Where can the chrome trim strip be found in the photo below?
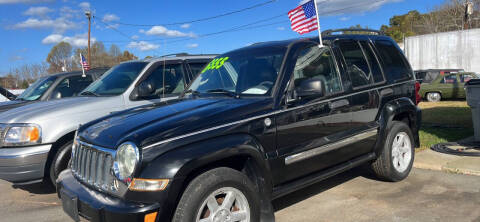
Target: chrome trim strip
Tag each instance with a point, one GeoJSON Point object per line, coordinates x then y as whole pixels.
{"type": "Point", "coordinates": [269, 114]}
{"type": "Point", "coordinates": [207, 130]}
{"type": "Point", "coordinates": [105, 150]}
{"type": "Point", "coordinates": [329, 147]}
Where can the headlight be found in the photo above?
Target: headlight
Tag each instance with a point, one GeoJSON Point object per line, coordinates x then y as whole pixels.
{"type": "Point", "coordinates": [126, 160]}
{"type": "Point", "coordinates": [22, 134]}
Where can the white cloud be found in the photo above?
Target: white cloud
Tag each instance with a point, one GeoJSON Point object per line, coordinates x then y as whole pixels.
{"type": "Point", "coordinates": [38, 11]}
{"type": "Point", "coordinates": [344, 18]}
{"type": "Point", "coordinates": [193, 45]}
{"type": "Point", "coordinates": [23, 1]}
{"type": "Point", "coordinates": [110, 17]}
{"type": "Point", "coordinates": [59, 25]}
{"type": "Point", "coordinates": [84, 5]}
{"type": "Point", "coordinates": [135, 37]}
{"type": "Point", "coordinates": [15, 58]}
{"type": "Point", "coordinates": [281, 28]}
{"type": "Point", "coordinates": [143, 46]}
{"type": "Point", "coordinates": [76, 41]}
{"type": "Point", "coordinates": [339, 7]}
{"type": "Point", "coordinates": [162, 31]}
{"type": "Point", "coordinates": [186, 26]}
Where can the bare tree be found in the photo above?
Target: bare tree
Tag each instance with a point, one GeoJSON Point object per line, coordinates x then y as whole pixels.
{"type": "Point", "coordinates": [59, 56]}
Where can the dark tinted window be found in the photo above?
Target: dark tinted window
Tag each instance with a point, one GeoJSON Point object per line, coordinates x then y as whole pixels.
{"type": "Point", "coordinates": [167, 79]}
{"type": "Point", "coordinates": [394, 63]}
{"type": "Point", "coordinates": [372, 60]}
{"type": "Point", "coordinates": [357, 65]}
{"type": "Point", "coordinates": [196, 68]}
{"type": "Point", "coordinates": [71, 86]}
{"type": "Point", "coordinates": [317, 63]}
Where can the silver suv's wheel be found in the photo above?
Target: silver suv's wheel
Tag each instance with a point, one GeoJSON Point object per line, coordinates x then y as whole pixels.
{"type": "Point", "coordinates": [225, 204]}
{"type": "Point", "coordinates": [221, 194]}
{"type": "Point", "coordinates": [396, 159]}
{"type": "Point", "coordinates": [434, 97]}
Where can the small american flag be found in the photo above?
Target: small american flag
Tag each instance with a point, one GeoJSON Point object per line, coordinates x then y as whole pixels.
{"type": "Point", "coordinates": [304, 18]}
{"type": "Point", "coordinates": [84, 63]}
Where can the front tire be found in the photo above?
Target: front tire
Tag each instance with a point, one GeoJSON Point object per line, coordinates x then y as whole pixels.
{"type": "Point", "coordinates": [60, 161]}
{"type": "Point", "coordinates": [221, 194]}
{"type": "Point", "coordinates": [396, 160]}
{"type": "Point", "coordinates": [434, 97]}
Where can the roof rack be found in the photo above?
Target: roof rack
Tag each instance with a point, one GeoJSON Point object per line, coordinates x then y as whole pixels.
{"type": "Point", "coordinates": [331, 31]}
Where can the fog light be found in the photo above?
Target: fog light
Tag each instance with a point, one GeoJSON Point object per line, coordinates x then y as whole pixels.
{"type": "Point", "coordinates": [150, 217]}
{"type": "Point", "coordinates": [148, 184]}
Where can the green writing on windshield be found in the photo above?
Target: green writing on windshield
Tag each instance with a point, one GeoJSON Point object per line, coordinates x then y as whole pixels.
{"type": "Point", "coordinates": [216, 64]}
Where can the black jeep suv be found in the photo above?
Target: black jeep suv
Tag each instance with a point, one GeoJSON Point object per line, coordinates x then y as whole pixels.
{"type": "Point", "coordinates": [256, 124]}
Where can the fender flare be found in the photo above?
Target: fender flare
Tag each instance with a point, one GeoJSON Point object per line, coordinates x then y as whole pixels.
{"type": "Point", "coordinates": [182, 164]}
{"type": "Point", "coordinates": [400, 106]}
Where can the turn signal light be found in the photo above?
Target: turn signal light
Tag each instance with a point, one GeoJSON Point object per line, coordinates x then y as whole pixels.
{"type": "Point", "coordinates": [138, 184]}
{"type": "Point", "coordinates": [151, 217]}
{"type": "Point", "coordinates": [33, 134]}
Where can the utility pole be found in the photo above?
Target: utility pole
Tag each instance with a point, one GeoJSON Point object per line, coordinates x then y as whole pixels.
{"type": "Point", "coordinates": [89, 16]}
{"type": "Point", "coordinates": [468, 13]}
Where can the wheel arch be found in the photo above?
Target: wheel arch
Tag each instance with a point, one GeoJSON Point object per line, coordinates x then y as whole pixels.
{"type": "Point", "coordinates": [241, 152]}
{"type": "Point", "coordinates": [55, 147]}
{"type": "Point", "coordinates": [402, 109]}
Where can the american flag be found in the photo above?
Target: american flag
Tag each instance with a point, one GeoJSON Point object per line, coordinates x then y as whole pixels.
{"type": "Point", "coordinates": [84, 63]}
{"type": "Point", "coordinates": [304, 18]}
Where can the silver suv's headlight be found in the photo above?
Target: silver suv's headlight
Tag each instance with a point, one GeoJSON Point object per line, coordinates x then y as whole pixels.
{"type": "Point", "coordinates": [126, 161]}
{"type": "Point", "coordinates": [22, 134]}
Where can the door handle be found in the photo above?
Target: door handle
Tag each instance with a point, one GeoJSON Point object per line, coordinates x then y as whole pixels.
{"type": "Point", "coordinates": [338, 104]}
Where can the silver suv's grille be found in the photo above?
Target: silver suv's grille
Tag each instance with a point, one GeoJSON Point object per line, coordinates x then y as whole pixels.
{"type": "Point", "coordinates": [93, 166]}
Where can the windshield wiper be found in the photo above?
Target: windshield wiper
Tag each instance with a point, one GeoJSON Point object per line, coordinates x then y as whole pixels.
{"type": "Point", "coordinates": [225, 92]}
{"type": "Point", "coordinates": [85, 93]}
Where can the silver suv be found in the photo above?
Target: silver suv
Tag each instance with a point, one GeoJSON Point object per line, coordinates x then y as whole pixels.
{"type": "Point", "coordinates": [36, 139]}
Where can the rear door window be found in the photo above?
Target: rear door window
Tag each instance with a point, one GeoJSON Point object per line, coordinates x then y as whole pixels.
{"type": "Point", "coordinates": [375, 68]}
{"type": "Point", "coordinates": [465, 77]}
{"type": "Point", "coordinates": [394, 63]}
{"type": "Point", "coordinates": [357, 66]}
{"type": "Point", "coordinates": [449, 79]}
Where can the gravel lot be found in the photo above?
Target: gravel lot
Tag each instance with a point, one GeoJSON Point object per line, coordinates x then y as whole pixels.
{"type": "Point", "coordinates": [352, 196]}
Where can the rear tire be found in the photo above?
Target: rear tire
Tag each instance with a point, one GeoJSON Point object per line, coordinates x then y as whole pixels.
{"type": "Point", "coordinates": [434, 97]}
{"type": "Point", "coordinates": [60, 161]}
{"type": "Point", "coordinates": [220, 194]}
{"type": "Point", "coordinates": [396, 160]}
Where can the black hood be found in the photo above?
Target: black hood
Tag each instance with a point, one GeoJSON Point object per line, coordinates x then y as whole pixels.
{"type": "Point", "coordinates": [150, 124]}
{"type": "Point", "coordinates": [4, 106]}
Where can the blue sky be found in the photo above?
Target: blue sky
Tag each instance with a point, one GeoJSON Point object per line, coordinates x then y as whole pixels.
{"type": "Point", "coordinates": [29, 28]}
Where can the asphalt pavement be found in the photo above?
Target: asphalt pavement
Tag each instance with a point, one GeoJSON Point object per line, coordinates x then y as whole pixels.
{"type": "Point", "coordinates": [352, 196]}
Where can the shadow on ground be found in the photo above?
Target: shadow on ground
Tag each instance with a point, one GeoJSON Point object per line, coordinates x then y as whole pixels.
{"type": "Point", "coordinates": [322, 186]}
{"type": "Point", "coordinates": [36, 188]}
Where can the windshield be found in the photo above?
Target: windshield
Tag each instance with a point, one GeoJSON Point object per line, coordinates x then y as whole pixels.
{"type": "Point", "coordinates": [37, 89]}
{"type": "Point", "coordinates": [246, 72]}
{"type": "Point", "coordinates": [116, 80]}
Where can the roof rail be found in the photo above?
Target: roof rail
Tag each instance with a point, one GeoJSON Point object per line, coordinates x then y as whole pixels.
{"type": "Point", "coordinates": [343, 31]}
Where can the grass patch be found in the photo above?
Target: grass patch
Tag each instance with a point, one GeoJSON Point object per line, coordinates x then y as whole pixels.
{"type": "Point", "coordinates": [442, 122]}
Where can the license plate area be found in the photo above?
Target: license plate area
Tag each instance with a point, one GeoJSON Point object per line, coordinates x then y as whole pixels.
{"type": "Point", "coordinates": [70, 204]}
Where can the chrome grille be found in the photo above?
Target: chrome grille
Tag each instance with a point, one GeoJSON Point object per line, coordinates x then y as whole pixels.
{"type": "Point", "coordinates": [92, 165]}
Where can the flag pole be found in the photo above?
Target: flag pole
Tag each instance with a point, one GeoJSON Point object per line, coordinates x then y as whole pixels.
{"type": "Point", "coordinates": [81, 64]}
{"type": "Point", "coordinates": [318, 21]}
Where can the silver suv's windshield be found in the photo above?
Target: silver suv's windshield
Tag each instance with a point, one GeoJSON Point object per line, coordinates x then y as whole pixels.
{"type": "Point", "coordinates": [116, 80]}
{"type": "Point", "coordinates": [37, 89]}
{"type": "Point", "coordinates": [245, 72]}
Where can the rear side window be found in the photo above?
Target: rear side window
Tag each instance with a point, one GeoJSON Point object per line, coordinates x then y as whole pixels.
{"type": "Point", "coordinates": [373, 62]}
{"type": "Point", "coordinates": [394, 63]}
{"type": "Point", "coordinates": [466, 77]}
{"type": "Point", "coordinates": [449, 79]}
{"type": "Point", "coordinates": [357, 65]}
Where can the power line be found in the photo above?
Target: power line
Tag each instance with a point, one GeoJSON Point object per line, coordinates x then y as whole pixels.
{"type": "Point", "coordinates": [201, 19]}
{"type": "Point", "coordinates": [238, 28]}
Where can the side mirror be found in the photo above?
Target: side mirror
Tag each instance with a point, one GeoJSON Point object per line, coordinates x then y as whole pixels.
{"type": "Point", "coordinates": [145, 89]}
{"type": "Point", "coordinates": [311, 87]}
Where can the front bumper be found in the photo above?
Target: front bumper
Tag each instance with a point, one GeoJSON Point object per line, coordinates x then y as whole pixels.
{"type": "Point", "coordinates": [78, 200]}
{"type": "Point", "coordinates": [23, 164]}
